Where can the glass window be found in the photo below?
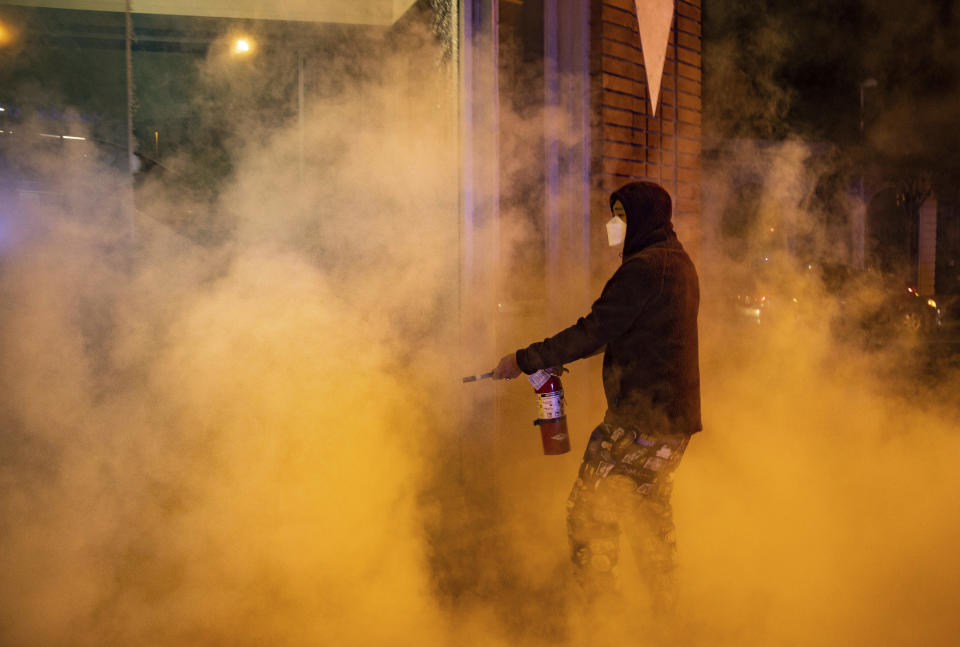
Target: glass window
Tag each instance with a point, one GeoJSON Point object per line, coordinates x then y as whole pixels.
{"type": "Point", "coordinates": [331, 100]}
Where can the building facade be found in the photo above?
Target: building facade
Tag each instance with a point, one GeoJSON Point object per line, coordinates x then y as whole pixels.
{"type": "Point", "coordinates": [571, 82]}
{"type": "Point", "coordinates": [548, 105]}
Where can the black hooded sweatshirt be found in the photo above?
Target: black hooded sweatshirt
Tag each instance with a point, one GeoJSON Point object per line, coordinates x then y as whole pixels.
{"type": "Point", "coordinates": [645, 321]}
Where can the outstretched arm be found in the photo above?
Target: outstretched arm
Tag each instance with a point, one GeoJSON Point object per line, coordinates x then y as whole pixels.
{"type": "Point", "coordinates": [622, 300]}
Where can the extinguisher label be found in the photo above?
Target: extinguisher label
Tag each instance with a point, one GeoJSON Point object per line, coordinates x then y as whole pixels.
{"type": "Point", "coordinates": [551, 405]}
{"type": "Point", "coordinates": [539, 378]}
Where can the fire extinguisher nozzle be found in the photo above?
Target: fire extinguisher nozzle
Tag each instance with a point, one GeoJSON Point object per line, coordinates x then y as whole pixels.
{"type": "Point", "coordinates": [474, 378]}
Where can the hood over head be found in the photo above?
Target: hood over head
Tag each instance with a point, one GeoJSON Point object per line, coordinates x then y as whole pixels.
{"type": "Point", "coordinates": [648, 208]}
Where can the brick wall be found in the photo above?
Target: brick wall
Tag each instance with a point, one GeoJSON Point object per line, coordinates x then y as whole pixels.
{"type": "Point", "coordinates": [628, 142]}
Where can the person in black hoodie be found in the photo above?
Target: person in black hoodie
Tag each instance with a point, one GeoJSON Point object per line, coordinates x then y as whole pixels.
{"type": "Point", "coordinates": [645, 323]}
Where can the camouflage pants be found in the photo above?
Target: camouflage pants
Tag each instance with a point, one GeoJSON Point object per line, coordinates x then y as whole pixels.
{"type": "Point", "coordinates": [624, 483]}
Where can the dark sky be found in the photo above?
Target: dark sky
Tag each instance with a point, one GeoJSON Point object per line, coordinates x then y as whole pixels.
{"type": "Point", "coordinates": [776, 67]}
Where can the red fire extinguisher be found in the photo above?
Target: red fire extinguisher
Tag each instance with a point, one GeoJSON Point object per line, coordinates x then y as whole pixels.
{"type": "Point", "coordinates": [553, 416]}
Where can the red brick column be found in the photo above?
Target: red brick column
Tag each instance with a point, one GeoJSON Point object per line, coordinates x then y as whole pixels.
{"type": "Point", "coordinates": [629, 143]}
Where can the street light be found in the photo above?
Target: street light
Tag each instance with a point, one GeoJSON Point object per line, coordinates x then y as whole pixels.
{"type": "Point", "coordinates": [242, 46]}
{"type": "Point", "coordinates": [9, 35]}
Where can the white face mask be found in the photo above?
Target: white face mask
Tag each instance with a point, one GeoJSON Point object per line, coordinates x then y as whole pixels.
{"type": "Point", "coordinates": [617, 226]}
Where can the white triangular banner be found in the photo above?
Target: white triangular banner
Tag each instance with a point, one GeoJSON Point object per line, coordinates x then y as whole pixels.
{"type": "Point", "coordinates": [654, 18]}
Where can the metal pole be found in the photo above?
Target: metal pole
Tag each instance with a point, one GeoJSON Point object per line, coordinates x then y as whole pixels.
{"type": "Point", "coordinates": [128, 51]}
{"type": "Point", "coordinates": [860, 234]}
{"type": "Point", "coordinates": [131, 159]}
{"type": "Point", "coordinates": [300, 117]}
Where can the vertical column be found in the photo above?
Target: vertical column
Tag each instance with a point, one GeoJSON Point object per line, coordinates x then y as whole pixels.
{"type": "Point", "coordinates": [578, 93]}
{"type": "Point", "coordinates": [858, 230]}
{"type": "Point", "coordinates": [948, 244]}
{"type": "Point", "coordinates": [927, 247]}
{"type": "Point", "coordinates": [552, 131]}
{"type": "Point", "coordinates": [568, 186]}
{"type": "Point", "coordinates": [479, 223]}
{"type": "Point", "coordinates": [567, 157]}
{"type": "Point", "coordinates": [131, 144]}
